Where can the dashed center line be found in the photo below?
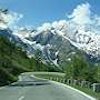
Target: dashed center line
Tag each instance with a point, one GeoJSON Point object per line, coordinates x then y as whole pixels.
{"type": "Point", "coordinates": [21, 98]}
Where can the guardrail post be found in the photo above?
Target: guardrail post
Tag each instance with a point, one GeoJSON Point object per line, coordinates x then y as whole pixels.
{"type": "Point", "coordinates": [63, 80]}
{"type": "Point", "coordinates": [69, 81]}
{"type": "Point", "coordinates": [83, 83]}
{"type": "Point", "coordinates": [89, 84]}
{"type": "Point", "coordinates": [50, 78]}
{"type": "Point", "coordinates": [60, 80]}
{"type": "Point", "coordinates": [75, 82]}
{"type": "Point", "coordinates": [57, 79]}
{"type": "Point", "coordinates": [96, 87]}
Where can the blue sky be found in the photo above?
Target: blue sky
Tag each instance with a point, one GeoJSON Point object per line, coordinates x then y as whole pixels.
{"type": "Point", "coordinates": [37, 12]}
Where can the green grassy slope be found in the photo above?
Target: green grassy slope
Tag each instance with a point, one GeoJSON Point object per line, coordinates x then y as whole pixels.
{"type": "Point", "coordinates": [14, 61]}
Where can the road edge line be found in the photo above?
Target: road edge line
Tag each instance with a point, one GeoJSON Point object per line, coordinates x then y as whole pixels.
{"type": "Point", "coordinates": [72, 88]}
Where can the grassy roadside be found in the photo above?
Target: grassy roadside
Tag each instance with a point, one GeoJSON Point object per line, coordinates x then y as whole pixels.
{"type": "Point", "coordinates": [61, 76]}
{"type": "Point", "coordinates": [87, 91]}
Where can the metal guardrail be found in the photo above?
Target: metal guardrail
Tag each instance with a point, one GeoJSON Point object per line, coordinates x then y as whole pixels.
{"type": "Point", "coordinates": [60, 77]}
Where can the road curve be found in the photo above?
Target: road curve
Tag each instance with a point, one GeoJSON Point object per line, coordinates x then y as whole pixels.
{"type": "Point", "coordinates": [51, 91]}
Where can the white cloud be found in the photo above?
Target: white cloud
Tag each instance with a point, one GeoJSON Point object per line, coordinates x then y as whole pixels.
{"type": "Point", "coordinates": [44, 27]}
{"type": "Point", "coordinates": [80, 18]}
{"type": "Point", "coordinates": [8, 19]}
{"type": "Point", "coordinates": [62, 24]}
{"type": "Point", "coordinates": [81, 14]}
{"type": "Point", "coordinates": [59, 26]}
{"type": "Point", "coordinates": [84, 19]}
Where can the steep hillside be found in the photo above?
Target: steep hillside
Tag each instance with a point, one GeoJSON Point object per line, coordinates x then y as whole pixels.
{"type": "Point", "coordinates": [14, 61]}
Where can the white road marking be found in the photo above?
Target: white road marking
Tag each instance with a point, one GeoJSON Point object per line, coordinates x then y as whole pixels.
{"type": "Point", "coordinates": [21, 98]}
{"type": "Point", "coordinates": [86, 95]}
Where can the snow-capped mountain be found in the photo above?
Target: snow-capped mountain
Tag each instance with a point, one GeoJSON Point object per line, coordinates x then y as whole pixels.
{"type": "Point", "coordinates": [57, 41]}
{"type": "Point", "coordinates": [48, 42]}
{"type": "Point", "coordinates": [57, 45]}
{"type": "Point", "coordinates": [83, 39]}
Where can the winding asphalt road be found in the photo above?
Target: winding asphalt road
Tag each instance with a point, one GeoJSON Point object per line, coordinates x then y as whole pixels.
{"type": "Point", "coordinates": [37, 89]}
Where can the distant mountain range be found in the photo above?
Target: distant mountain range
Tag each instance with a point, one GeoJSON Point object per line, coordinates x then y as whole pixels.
{"type": "Point", "coordinates": [57, 42]}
